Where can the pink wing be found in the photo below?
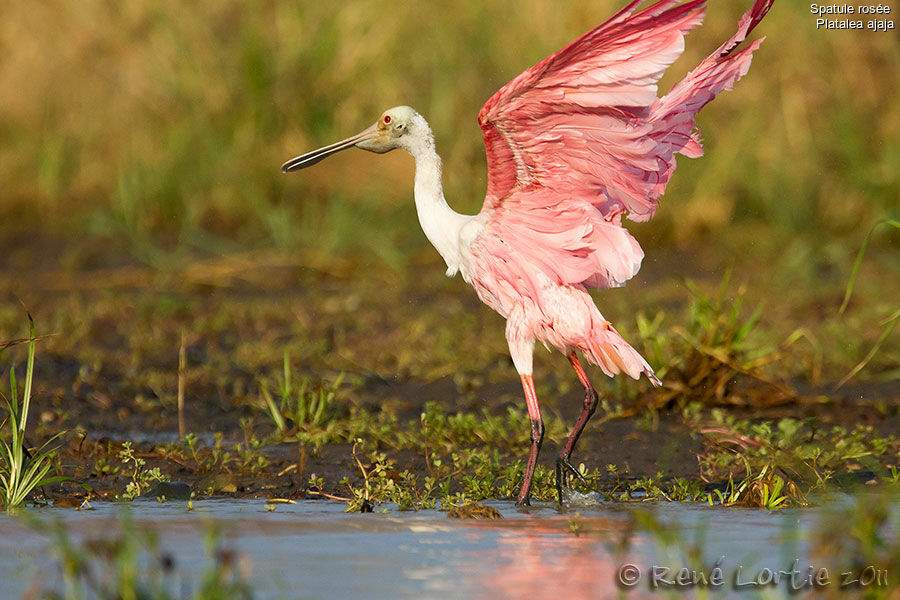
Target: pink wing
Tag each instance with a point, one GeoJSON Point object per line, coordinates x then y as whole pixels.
{"type": "Point", "coordinates": [581, 138]}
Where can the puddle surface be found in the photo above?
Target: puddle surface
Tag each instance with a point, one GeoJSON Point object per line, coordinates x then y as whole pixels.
{"type": "Point", "coordinates": [313, 549]}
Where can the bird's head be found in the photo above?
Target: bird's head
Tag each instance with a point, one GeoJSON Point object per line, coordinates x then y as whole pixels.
{"type": "Point", "coordinates": [395, 128]}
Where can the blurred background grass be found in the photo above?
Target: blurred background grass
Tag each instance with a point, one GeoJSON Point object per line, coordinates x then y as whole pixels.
{"type": "Point", "coordinates": [152, 133]}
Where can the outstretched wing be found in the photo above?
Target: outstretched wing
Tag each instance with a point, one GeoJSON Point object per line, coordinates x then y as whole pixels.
{"type": "Point", "coordinates": [581, 138]}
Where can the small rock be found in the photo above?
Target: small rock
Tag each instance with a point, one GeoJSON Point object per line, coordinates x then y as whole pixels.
{"type": "Point", "coordinates": [67, 502]}
{"type": "Point", "coordinates": [170, 490]}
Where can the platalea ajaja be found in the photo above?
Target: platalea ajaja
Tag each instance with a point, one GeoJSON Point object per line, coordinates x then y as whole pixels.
{"type": "Point", "coordinates": [573, 144]}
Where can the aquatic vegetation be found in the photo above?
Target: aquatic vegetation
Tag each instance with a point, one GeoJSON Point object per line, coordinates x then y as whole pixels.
{"type": "Point", "coordinates": [749, 463]}
{"type": "Point", "coordinates": [765, 489]}
{"type": "Point", "coordinates": [101, 469]}
{"type": "Point", "coordinates": [810, 453]}
{"type": "Point", "coordinates": [215, 458]}
{"type": "Point", "coordinates": [576, 525]}
{"type": "Point", "coordinates": [445, 459]}
{"type": "Point", "coordinates": [460, 479]}
{"type": "Point", "coordinates": [22, 471]}
{"type": "Point", "coordinates": [141, 478]}
{"type": "Point", "coordinates": [383, 483]}
{"type": "Point", "coordinates": [249, 454]}
{"type": "Point", "coordinates": [246, 456]}
{"type": "Point", "coordinates": [129, 564]}
{"type": "Point", "coordinates": [442, 432]}
{"type": "Point", "coordinates": [859, 538]}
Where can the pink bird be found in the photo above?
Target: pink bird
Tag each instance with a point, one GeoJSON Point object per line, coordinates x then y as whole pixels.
{"type": "Point", "coordinates": [573, 144]}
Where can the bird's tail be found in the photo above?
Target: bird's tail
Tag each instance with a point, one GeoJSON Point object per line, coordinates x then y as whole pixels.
{"type": "Point", "coordinates": [673, 115]}
{"type": "Point", "coordinates": [609, 351]}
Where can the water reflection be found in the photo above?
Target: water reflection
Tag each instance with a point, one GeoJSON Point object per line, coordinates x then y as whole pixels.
{"type": "Point", "coordinates": [317, 548]}
{"type": "Point", "coordinates": [545, 558]}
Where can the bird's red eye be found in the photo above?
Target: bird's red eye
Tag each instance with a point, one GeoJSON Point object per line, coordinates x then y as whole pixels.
{"type": "Point", "coordinates": [387, 119]}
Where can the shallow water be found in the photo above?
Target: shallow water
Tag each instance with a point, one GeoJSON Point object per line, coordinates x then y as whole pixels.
{"type": "Point", "coordinates": [313, 549]}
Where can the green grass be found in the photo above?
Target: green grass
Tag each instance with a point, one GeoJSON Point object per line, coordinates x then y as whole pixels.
{"type": "Point", "coordinates": [890, 323]}
{"type": "Point", "coordinates": [304, 407]}
{"type": "Point", "coordinates": [21, 471]}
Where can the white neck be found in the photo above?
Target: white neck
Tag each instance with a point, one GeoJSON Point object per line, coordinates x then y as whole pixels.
{"type": "Point", "coordinates": [440, 223]}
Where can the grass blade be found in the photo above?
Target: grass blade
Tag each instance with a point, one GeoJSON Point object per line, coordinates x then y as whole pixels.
{"type": "Point", "coordinates": [274, 411]}
{"type": "Point", "coordinates": [29, 374]}
{"type": "Point", "coordinates": [891, 324]}
{"type": "Point", "coordinates": [858, 262]}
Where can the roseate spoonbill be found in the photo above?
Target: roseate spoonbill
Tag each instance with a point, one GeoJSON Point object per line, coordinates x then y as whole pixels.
{"type": "Point", "coordinates": [573, 144]}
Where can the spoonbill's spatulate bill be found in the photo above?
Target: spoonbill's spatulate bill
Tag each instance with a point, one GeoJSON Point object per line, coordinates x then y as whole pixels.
{"type": "Point", "coordinates": [574, 144]}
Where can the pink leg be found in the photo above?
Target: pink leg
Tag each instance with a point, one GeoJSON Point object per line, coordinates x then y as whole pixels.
{"type": "Point", "coordinates": [537, 436]}
{"type": "Point", "coordinates": [590, 404]}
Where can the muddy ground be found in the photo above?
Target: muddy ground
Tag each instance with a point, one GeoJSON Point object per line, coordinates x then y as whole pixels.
{"type": "Point", "coordinates": [108, 371]}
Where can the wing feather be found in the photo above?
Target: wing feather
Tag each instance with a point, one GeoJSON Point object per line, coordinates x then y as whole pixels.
{"type": "Point", "coordinates": [607, 76]}
{"type": "Point", "coordinates": [581, 139]}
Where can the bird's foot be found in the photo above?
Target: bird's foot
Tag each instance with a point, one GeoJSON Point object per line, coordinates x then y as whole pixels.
{"type": "Point", "coordinates": [562, 463]}
{"type": "Point", "coordinates": [567, 495]}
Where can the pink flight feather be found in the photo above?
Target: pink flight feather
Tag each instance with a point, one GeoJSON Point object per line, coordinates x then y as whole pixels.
{"type": "Point", "coordinates": [574, 143]}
